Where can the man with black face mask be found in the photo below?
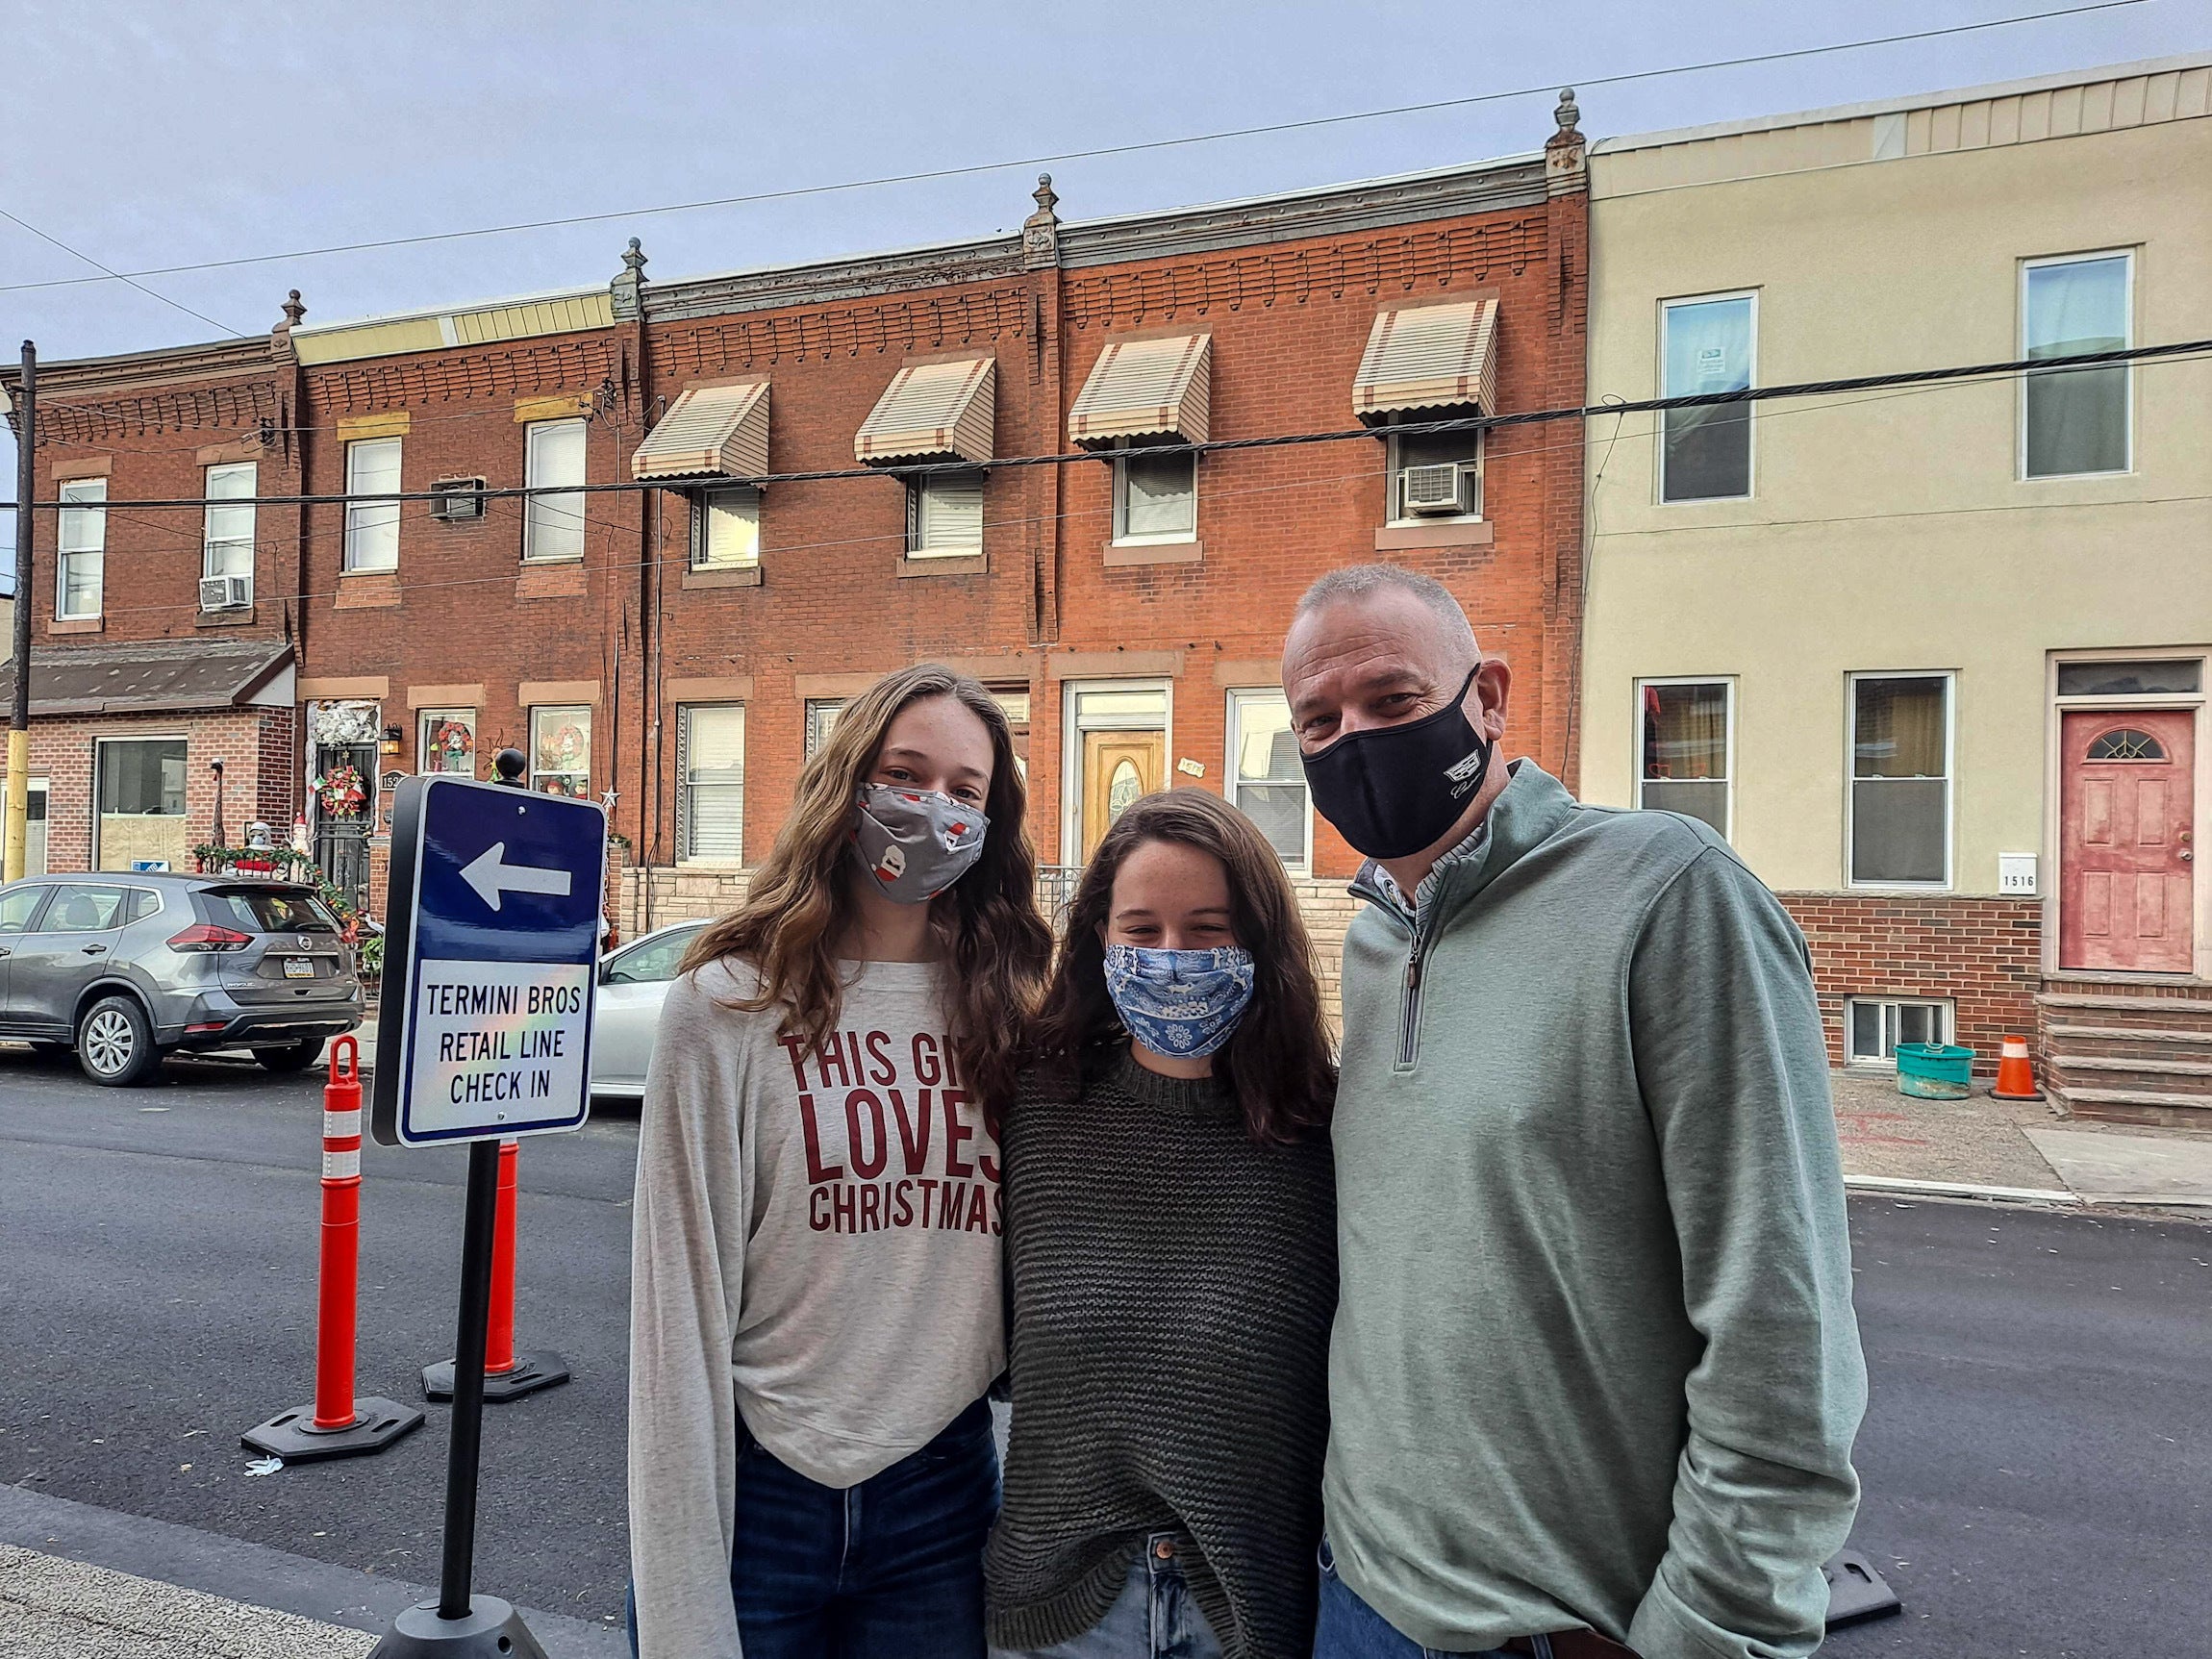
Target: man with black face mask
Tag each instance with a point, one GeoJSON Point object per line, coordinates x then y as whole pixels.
{"type": "Point", "coordinates": [1595, 1374]}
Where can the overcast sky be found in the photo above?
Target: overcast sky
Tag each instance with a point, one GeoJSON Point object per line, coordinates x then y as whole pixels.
{"type": "Point", "coordinates": [164, 133]}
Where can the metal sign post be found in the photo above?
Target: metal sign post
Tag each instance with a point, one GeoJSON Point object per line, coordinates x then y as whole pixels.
{"type": "Point", "coordinates": [484, 1033]}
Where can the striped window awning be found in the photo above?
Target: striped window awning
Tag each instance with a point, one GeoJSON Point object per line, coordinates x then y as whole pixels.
{"type": "Point", "coordinates": [717, 430]}
{"type": "Point", "coordinates": [1138, 387]}
{"type": "Point", "coordinates": [1429, 357]}
{"type": "Point", "coordinates": [931, 411]}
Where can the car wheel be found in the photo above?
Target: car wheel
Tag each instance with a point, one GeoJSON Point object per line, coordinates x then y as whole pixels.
{"type": "Point", "coordinates": [292, 1056]}
{"type": "Point", "coordinates": [115, 1042]}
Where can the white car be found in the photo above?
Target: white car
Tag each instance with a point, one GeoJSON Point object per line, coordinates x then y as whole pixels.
{"type": "Point", "coordinates": [633, 982]}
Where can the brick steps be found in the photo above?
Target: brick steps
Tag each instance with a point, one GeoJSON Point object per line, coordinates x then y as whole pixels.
{"type": "Point", "coordinates": [2129, 1053]}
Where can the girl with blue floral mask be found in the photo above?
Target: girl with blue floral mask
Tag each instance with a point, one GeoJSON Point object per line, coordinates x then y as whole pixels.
{"type": "Point", "coordinates": [1171, 1249]}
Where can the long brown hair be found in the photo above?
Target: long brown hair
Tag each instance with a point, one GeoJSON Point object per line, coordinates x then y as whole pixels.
{"type": "Point", "coordinates": [1278, 1061]}
{"type": "Point", "coordinates": [800, 905]}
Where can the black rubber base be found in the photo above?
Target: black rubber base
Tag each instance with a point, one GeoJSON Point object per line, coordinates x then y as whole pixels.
{"type": "Point", "coordinates": [292, 1436]}
{"type": "Point", "coordinates": [1856, 1591]}
{"type": "Point", "coordinates": [492, 1630]}
{"type": "Point", "coordinates": [532, 1371]}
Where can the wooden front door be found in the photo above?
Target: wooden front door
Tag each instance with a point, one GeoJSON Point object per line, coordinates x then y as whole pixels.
{"type": "Point", "coordinates": [2126, 898]}
{"type": "Point", "coordinates": [1118, 766]}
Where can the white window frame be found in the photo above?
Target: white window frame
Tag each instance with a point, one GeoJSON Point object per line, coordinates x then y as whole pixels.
{"type": "Point", "coordinates": [1124, 449]}
{"type": "Point", "coordinates": [424, 719]}
{"type": "Point", "coordinates": [530, 714]}
{"type": "Point", "coordinates": [702, 520]}
{"type": "Point", "coordinates": [1072, 730]}
{"type": "Point", "coordinates": [1394, 517]}
{"type": "Point", "coordinates": [556, 495]}
{"type": "Point", "coordinates": [2127, 402]}
{"type": "Point", "coordinates": [358, 516]}
{"type": "Point", "coordinates": [1636, 741]}
{"type": "Point", "coordinates": [685, 786]}
{"type": "Point", "coordinates": [93, 507]}
{"type": "Point", "coordinates": [1233, 778]}
{"type": "Point", "coordinates": [211, 545]}
{"type": "Point", "coordinates": [917, 509]}
{"type": "Point", "coordinates": [99, 750]}
{"type": "Point", "coordinates": [1751, 410]}
{"type": "Point", "coordinates": [1947, 1019]}
{"type": "Point", "coordinates": [1851, 779]}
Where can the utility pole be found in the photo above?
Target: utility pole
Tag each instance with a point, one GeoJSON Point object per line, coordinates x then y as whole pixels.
{"type": "Point", "coordinates": [17, 824]}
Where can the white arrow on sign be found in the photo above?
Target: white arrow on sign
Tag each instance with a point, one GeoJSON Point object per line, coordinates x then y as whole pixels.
{"type": "Point", "coordinates": [491, 875]}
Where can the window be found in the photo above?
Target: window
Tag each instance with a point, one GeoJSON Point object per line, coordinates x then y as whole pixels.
{"type": "Point", "coordinates": [1873, 1028]}
{"type": "Point", "coordinates": [726, 529]}
{"type": "Point", "coordinates": [1155, 496]}
{"type": "Point", "coordinates": [651, 960]}
{"type": "Point", "coordinates": [17, 906]}
{"type": "Point", "coordinates": [82, 908]}
{"type": "Point", "coordinates": [33, 823]}
{"type": "Point", "coordinates": [372, 527]}
{"type": "Point", "coordinates": [262, 912]}
{"type": "Point", "coordinates": [2130, 679]}
{"type": "Point", "coordinates": [82, 547]}
{"type": "Point", "coordinates": [445, 742]}
{"type": "Point", "coordinates": [945, 516]}
{"type": "Point", "coordinates": [2127, 745]}
{"type": "Point", "coordinates": [1900, 780]}
{"type": "Point", "coordinates": [141, 790]}
{"type": "Point", "coordinates": [1460, 449]}
{"type": "Point", "coordinates": [1013, 702]}
{"type": "Point", "coordinates": [560, 751]}
{"type": "Point", "coordinates": [1706, 345]}
{"type": "Point", "coordinates": [2075, 420]}
{"type": "Point", "coordinates": [553, 466]}
{"type": "Point", "coordinates": [1266, 780]}
{"type": "Point", "coordinates": [229, 543]}
{"type": "Point", "coordinates": [711, 794]}
{"type": "Point", "coordinates": [821, 720]}
{"type": "Point", "coordinates": [1686, 749]}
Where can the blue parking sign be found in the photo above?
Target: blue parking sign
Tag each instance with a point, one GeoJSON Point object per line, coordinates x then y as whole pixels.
{"type": "Point", "coordinates": [491, 960]}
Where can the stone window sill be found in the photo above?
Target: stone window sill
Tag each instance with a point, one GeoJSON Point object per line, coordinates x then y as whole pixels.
{"type": "Point", "coordinates": [1452, 533]}
{"type": "Point", "coordinates": [76, 625]}
{"type": "Point", "coordinates": [729, 576]}
{"type": "Point", "coordinates": [1121, 554]}
{"type": "Point", "coordinates": [224, 618]}
{"type": "Point", "coordinates": [943, 565]}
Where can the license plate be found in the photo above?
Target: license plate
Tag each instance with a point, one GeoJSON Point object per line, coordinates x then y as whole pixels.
{"type": "Point", "coordinates": [299, 968]}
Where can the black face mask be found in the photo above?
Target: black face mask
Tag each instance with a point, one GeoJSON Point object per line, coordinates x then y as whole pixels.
{"type": "Point", "coordinates": [1395, 790]}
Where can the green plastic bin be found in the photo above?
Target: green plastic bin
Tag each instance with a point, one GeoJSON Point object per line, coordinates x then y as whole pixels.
{"type": "Point", "coordinates": [1935, 1070]}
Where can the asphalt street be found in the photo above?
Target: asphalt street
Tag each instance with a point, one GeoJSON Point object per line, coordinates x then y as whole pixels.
{"type": "Point", "coordinates": [2037, 1457]}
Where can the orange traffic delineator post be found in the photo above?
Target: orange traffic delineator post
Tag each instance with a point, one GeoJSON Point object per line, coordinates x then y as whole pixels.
{"type": "Point", "coordinates": [335, 1423]}
{"type": "Point", "coordinates": [507, 1375]}
{"type": "Point", "coordinates": [2016, 1073]}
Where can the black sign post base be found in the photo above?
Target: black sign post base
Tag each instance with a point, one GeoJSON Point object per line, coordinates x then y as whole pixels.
{"type": "Point", "coordinates": [460, 1624]}
{"type": "Point", "coordinates": [1856, 1591]}
{"type": "Point", "coordinates": [490, 1628]}
{"type": "Point", "coordinates": [292, 1436]}
{"type": "Point", "coordinates": [532, 1371]}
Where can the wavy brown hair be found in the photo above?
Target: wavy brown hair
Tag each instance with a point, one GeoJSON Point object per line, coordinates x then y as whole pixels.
{"type": "Point", "coordinates": [800, 906]}
{"type": "Point", "coordinates": [1278, 1061]}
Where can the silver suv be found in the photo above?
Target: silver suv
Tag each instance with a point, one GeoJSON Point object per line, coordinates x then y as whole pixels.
{"type": "Point", "coordinates": [125, 969]}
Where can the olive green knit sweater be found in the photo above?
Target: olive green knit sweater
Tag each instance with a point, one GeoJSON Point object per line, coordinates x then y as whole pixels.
{"type": "Point", "coordinates": [1172, 1286]}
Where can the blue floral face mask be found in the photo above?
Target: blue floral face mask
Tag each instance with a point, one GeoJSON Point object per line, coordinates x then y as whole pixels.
{"type": "Point", "coordinates": [1181, 1003]}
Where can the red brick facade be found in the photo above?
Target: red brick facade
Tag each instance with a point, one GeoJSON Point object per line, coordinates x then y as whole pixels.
{"type": "Point", "coordinates": [1982, 955]}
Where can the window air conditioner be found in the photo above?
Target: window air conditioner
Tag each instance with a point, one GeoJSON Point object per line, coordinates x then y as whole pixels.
{"type": "Point", "coordinates": [226, 592]}
{"type": "Point", "coordinates": [457, 498]}
{"type": "Point", "coordinates": [1438, 488]}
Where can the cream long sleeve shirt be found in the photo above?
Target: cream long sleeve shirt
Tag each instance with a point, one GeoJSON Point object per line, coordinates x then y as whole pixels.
{"type": "Point", "coordinates": [815, 1250]}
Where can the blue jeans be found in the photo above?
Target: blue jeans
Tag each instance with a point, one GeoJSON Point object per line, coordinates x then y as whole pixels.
{"type": "Point", "coordinates": [891, 1569]}
{"type": "Point", "coordinates": [1153, 1618]}
{"type": "Point", "coordinates": [1350, 1629]}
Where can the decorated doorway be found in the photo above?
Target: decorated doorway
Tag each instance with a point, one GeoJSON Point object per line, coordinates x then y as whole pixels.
{"type": "Point", "coordinates": [2127, 841]}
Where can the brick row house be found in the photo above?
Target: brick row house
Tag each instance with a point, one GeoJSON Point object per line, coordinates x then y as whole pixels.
{"type": "Point", "coordinates": [678, 651]}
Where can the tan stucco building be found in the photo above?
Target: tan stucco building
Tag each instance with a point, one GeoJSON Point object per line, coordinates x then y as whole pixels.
{"type": "Point", "coordinates": [1933, 658]}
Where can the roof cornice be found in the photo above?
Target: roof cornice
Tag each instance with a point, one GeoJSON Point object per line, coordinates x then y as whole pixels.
{"type": "Point", "coordinates": [144, 370]}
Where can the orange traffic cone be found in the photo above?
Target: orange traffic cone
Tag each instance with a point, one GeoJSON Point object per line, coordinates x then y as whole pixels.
{"type": "Point", "coordinates": [2014, 1075]}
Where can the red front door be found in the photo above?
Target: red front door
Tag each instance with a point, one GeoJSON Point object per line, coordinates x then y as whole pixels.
{"type": "Point", "coordinates": [2126, 899]}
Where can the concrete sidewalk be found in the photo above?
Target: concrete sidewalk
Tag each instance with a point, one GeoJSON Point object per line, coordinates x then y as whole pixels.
{"type": "Point", "coordinates": [61, 1609]}
{"type": "Point", "coordinates": [1986, 1148]}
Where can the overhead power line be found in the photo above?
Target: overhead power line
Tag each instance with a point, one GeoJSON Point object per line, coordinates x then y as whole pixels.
{"type": "Point", "coordinates": [1221, 445]}
{"type": "Point", "coordinates": [1093, 153]}
{"type": "Point", "coordinates": [112, 275]}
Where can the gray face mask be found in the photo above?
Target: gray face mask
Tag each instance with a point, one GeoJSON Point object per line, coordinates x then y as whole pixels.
{"type": "Point", "coordinates": [915, 843]}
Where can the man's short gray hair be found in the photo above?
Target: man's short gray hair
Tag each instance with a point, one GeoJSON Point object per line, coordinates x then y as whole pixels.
{"type": "Point", "coordinates": [1356, 582]}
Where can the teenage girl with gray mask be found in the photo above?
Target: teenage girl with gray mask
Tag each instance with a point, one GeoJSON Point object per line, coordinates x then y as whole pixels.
{"type": "Point", "coordinates": [816, 1294]}
{"type": "Point", "coordinates": [1171, 1248]}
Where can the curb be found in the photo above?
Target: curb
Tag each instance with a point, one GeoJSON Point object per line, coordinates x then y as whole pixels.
{"type": "Point", "coordinates": [1962, 1190]}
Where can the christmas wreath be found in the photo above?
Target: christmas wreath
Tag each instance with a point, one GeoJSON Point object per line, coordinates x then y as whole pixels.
{"type": "Point", "coordinates": [340, 792]}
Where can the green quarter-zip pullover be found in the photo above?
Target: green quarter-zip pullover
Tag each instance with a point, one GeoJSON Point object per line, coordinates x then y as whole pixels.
{"type": "Point", "coordinates": [1595, 1361]}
